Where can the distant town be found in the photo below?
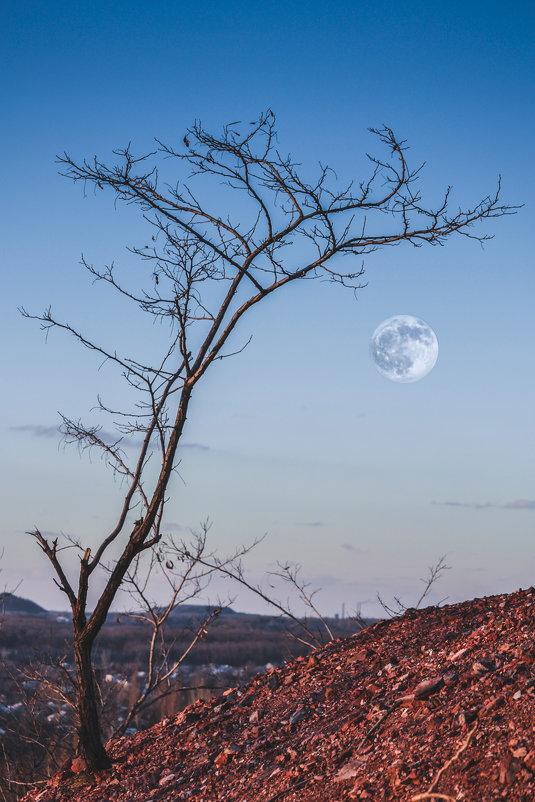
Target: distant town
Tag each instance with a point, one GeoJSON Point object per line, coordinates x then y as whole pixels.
{"type": "Point", "coordinates": [36, 670]}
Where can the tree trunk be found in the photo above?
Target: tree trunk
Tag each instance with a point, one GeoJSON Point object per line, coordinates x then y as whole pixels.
{"type": "Point", "coordinates": [90, 746]}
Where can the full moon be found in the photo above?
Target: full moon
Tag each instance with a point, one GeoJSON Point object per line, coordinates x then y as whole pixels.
{"type": "Point", "coordinates": [404, 348]}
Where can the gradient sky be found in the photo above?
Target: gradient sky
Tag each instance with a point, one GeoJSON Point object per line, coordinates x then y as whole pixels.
{"type": "Point", "coordinates": [363, 481]}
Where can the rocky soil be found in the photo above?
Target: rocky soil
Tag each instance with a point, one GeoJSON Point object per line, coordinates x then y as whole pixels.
{"type": "Point", "coordinates": [437, 704]}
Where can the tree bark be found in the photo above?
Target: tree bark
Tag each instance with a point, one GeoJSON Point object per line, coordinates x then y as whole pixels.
{"type": "Point", "coordinates": [90, 746]}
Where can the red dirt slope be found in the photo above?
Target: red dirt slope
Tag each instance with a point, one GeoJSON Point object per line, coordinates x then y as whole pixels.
{"type": "Point", "coordinates": [437, 704]}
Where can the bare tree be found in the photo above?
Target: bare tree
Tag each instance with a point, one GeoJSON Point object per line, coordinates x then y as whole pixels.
{"type": "Point", "coordinates": [206, 272]}
{"type": "Point", "coordinates": [35, 740]}
{"type": "Point", "coordinates": [232, 568]}
{"type": "Point", "coordinates": [188, 568]}
{"type": "Point", "coordinates": [187, 574]}
{"type": "Point", "coordinates": [434, 573]}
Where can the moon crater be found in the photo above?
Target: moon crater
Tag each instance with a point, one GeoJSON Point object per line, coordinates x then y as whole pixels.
{"type": "Point", "coordinates": [404, 348]}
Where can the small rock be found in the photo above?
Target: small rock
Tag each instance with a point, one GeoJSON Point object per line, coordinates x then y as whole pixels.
{"type": "Point", "coordinates": [507, 770]}
{"type": "Point", "coordinates": [273, 681]}
{"type": "Point", "coordinates": [483, 666]}
{"type": "Point", "coordinates": [450, 677]}
{"type": "Point", "coordinates": [467, 716]}
{"type": "Point", "coordinates": [520, 752]}
{"type": "Point", "coordinates": [348, 771]}
{"type": "Point", "coordinates": [453, 657]}
{"type": "Point", "coordinates": [428, 687]}
{"type": "Point", "coordinates": [529, 760]}
{"type": "Point", "coordinates": [166, 779]}
{"type": "Point", "coordinates": [78, 764]}
{"type": "Point", "coordinates": [298, 716]}
{"type": "Point", "coordinates": [224, 756]}
{"type": "Point", "coordinates": [221, 759]}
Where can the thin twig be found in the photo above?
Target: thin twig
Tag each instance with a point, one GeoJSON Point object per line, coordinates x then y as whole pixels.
{"type": "Point", "coordinates": [429, 793]}
{"type": "Point", "coordinates": [378, 723]}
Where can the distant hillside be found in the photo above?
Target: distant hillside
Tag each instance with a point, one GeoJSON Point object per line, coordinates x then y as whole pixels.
{"type": "Point", "coordinates": [188, 612]}
{"type": "Point", "coordinates": [9, 603]}
{"type": "Point", "coordinates": [201, 609]}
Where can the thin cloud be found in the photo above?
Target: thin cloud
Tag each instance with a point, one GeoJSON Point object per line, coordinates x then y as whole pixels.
{"type": "Point", "coordinates": [37, 431]}
{"type": "Point", "coordinates": [312, 523]}
{"type": "Point", "coordinates": [468, 505]}
{"type": "Point", "coordinates": [519, 504]}
{"type": "Point", "coordinates": [172, 526]}
{"type": "Point", "coordinates": [351, 547]}
{"type": "Point", "coordinates": [108, 438]}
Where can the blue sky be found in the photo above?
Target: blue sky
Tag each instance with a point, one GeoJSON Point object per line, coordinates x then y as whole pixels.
{"type": "Point", "coordinates": [363, 481]}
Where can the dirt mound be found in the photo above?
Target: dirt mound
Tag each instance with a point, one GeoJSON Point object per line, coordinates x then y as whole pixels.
{"type": "Point", "coordinates": [437, 704]}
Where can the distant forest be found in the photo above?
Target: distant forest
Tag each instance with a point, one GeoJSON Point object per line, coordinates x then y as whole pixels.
{"type": "Point", "coordinates": [235, 639]}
